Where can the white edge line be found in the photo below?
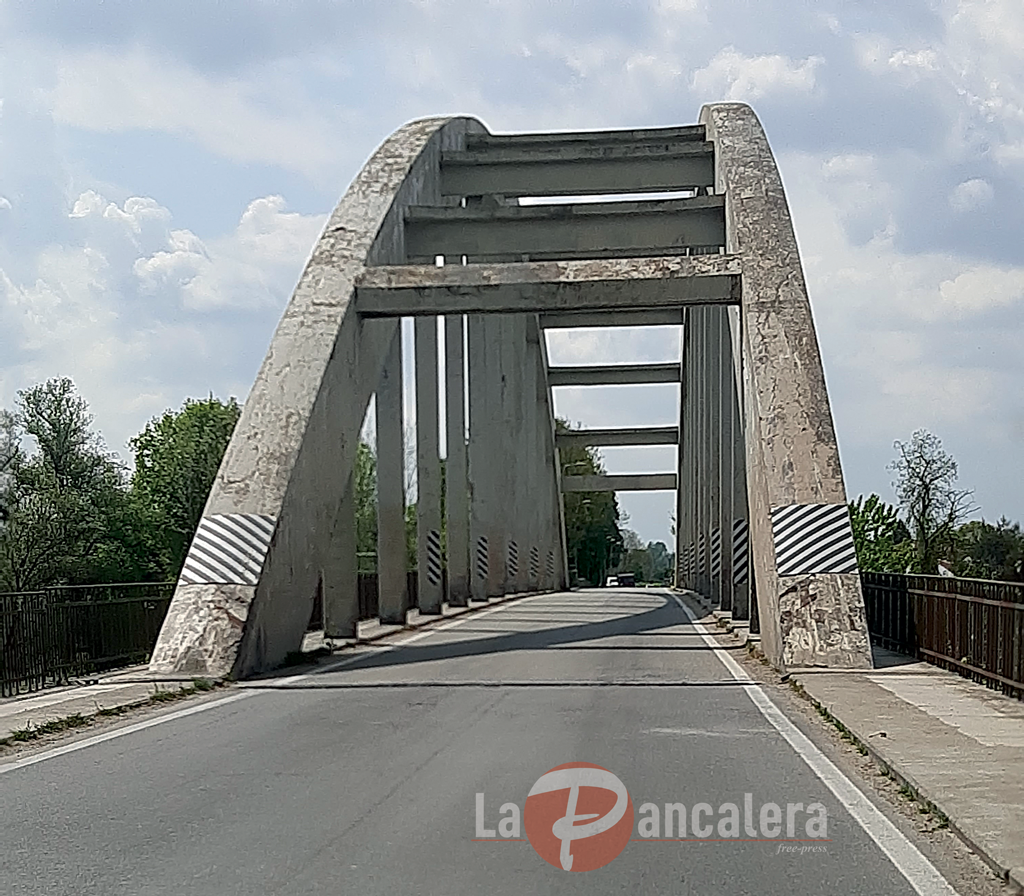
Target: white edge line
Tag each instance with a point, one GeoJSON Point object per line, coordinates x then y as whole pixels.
{"type": "Point", "coordinates": [241, 694]}
{"type": "Point", "coordinates": [922, 875]}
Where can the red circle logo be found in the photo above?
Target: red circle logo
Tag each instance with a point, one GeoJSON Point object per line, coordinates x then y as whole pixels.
{"type": "Point", "coordinates": [578, 816]}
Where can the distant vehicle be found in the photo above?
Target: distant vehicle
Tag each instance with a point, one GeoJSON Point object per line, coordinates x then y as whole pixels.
{"type": "Point", "coordinates": [611, 582]}
{"type": "Point", "coordinates": [627, 579]}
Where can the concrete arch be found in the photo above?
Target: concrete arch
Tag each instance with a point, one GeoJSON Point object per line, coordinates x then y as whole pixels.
{"type": "Point", "coordinates": [290, 458]}
{"type": "Point", "coordinates": [812, 617]}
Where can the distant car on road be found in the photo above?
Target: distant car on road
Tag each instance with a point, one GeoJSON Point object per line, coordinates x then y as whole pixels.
{"type": "Point", "coordinates": [611, 582]}
{"type": "Point", "coordinates": [627, 579]}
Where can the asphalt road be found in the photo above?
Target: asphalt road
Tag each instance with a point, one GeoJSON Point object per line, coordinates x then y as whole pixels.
{"type": "Point", "coordinates": [363, 780]}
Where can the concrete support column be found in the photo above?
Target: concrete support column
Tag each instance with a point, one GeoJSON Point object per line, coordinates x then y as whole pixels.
{"type": "Point", "coordinates": [703, 492]}
{"type": "Point", "coordinates": [727, 438]}
{"type": "Point", "coordinates": [683, 490]}
{"type": "Point", "coordinates": [428, 470]}
{"type": "Point", "coordinates": [714, 402]}
{"type": "Point", "coordinates": [456, 475]}
{"type": "Point", "coordinates": [392, 578]}
{"type": "Point", "coordinates": [498, 454]}
{"type": "Point", "coordinates": [740, 526]}
{"type": "Point", "coordinates": [339, 576]}
{"type": "Point", "coordinates": [483, 466]}
{"type": "Point", "coordinates": [534, 510]}
{"type": "Point", "coordinates": [511, 351]}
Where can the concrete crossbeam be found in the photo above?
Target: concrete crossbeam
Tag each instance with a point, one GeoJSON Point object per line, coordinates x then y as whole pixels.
{"type": "Point", "coordinates": [628, 482]}
{"type": "Point", "coordinates": [614, 374]}
{"type": "Point", "coordinates": [660, 317]}
{"type": "Point", "coordinates": [567, 286]}
{"type": "Point", "coordinates": [689, 132]}
{"type": "Point", "coordinates": [587, 230]}
{"type": "Point", "coordinates": [645, 435]}
{"type": "Point", "coordinates": [551, 169]}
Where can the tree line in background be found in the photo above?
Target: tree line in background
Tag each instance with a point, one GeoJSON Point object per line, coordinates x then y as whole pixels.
{"type": "Point", "coordinates": [71, 513]}
{"type": "Point", "coordinates": [927, 531]}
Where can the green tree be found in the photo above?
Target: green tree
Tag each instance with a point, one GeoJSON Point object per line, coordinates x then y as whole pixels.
{"type": "Point", "coordinates": [177, 456]}
{"type": "Point", "coordinates": [593, 539]}
{"type": "Point", "coordinates": [61, 503]}
{"type": "Point", "coordinates": [366, 500]}
{"type": "Point", "coordinates": [882, 541]}
{"type": "Point", "coordinates": [986, 551]}
{"type": "Point", "coordinates": [932, 505]}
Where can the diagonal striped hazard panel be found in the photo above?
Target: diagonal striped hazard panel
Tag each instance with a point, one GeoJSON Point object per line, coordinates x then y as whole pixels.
{"type": "Point", "coordinates": [813, 538]}
{"type": "Point", "coordinates": [228, 549]}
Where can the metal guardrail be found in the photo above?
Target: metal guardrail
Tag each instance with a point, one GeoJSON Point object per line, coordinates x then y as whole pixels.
{"type": "Point", "coordinates": [53, 635]}
{"type": "Point", "coordinates": [971, 626]}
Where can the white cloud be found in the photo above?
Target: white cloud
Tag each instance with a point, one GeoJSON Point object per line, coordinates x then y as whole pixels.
{"type": "Point", "coordinates": [984, 287]}
{"type": "Point", "coordinates": [240, 120]}
{"type": "Point", "coordinates": [730, 75]}
{"type": "Point", "coordinates": [125, 311]}
{"type": "Point", "coordinates": [971, 195]}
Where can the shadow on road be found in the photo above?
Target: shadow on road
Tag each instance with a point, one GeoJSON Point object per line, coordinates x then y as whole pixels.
{"type": "Point", "coordinates": [646, 623]}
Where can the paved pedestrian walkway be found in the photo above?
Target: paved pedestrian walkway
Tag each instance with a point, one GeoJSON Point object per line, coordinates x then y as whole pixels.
{"type": "Point", "coordinates": [959, 744]}
{"type": "Point", "coordinates": [136, 686]}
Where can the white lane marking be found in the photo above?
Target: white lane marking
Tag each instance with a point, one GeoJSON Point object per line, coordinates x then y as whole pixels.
{"type": "Point", "coordinates": [120, 732]}
{"type": "Point", "coordinates": [242, 694]}
{"type": "Point", "coordinates": [921, 874]}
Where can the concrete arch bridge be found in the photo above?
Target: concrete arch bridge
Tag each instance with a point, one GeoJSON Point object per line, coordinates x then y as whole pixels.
{"type": "Point", "coordinates": [692, 229]}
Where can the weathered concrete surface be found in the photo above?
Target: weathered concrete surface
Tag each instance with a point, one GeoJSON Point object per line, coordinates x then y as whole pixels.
{"type": "Point", "coordinates": [792, 456]}
{"type": "Point", "coordinates": [549, 286]}
{"type": "Point", "coordinates": [295, 443]}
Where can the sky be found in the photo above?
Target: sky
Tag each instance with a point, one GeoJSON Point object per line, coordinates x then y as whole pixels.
{"type": "Point", "coordinates": [166, 168]}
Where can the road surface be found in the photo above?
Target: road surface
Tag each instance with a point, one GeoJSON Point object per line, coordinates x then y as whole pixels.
{"type": "Point", "coordinates": [364, 779]}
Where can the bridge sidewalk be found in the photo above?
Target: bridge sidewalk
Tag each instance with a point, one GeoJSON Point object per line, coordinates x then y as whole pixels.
{"type": "Point", "coordinates": [135, 686]}
{"type": "Point", "coordinates": [958, 744]}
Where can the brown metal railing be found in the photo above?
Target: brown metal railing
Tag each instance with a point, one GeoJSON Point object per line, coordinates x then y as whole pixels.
{"type": "Point", "coordinates": [971, 626]}
{"type": "Point", "coordinates": [51, 636]}
{"type": "Point", "coordinates": [56, 634]}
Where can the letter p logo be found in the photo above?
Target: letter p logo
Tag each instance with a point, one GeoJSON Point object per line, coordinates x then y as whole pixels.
{"type": "Point", "coordinates": [578, 816]}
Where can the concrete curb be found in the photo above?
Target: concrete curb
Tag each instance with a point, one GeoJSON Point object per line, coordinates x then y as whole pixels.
{"type": "Point", "coordinates": [1013, 876]}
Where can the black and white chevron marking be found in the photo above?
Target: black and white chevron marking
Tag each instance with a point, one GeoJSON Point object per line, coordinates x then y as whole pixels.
{"type": "Point", "coordinates": [534, 563]}
{"type": "Point", "coordinates": [716, 553]}
{"type": "Point", "coordinates": [434, 557]}
{"type": "Point", "coordinates": [551, 564]}
{"type": "Point", "coordinates": [481, 557]}
{"type": "Point", "coordinates": [701, 554]}
{"type": "Point", "coordinates": [228, 549]}
{"type": "Point", "coordinates": [513, 559]}
{"type": "Point", "coordinates": [813, 538]}
{"type": "Point", "coordinates": [740, 544]}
